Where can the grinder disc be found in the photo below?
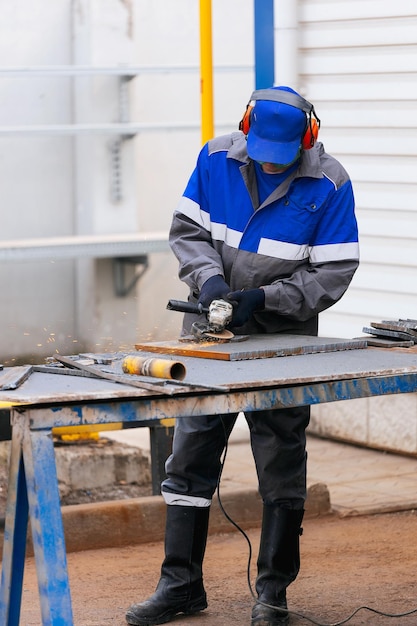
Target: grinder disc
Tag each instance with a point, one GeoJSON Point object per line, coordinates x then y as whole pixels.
{"type": "Point", "coordinates": [224, 335]}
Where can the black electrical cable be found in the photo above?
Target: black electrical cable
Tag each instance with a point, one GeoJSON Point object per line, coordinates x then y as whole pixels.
{"type": "Point", "coordinates": [281, 610]}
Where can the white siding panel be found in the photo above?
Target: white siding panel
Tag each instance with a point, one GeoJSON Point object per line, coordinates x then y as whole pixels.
{"type": "Point", "coordinates": [371, 141]}
{"type": "Point", "coordinates": [379, 277]}
{"type": "Point", "coordinates": [359, 307]}
{"type": "Point", "coordinates": [395, 250]}
{"type": "Point", "coordinates": [372, 305]}
{"type": "Point", "coordinates": [331, 10]}
{"type": "Point", "coordinates": [357, 33]}
{"type": "Point", "coordinates": [338, 324]}
{"type": "Point", "coordinates": [398, 59]}
{"type": "Point", "coordinates": [358, 65]}
{"type": "Point", "coordinates": [395, 223]}
{"type": "Point", "coordinates": [378, 114]}
{"type": "Point", "coordinates": [359, 89]}
{"type": "Point", "coordinates": [386, 197]}
{"type": "Point", "coordinates": [379, 169]}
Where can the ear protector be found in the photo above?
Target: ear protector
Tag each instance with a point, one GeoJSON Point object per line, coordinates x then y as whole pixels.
{"type": "Point", "coordinates": [311, 130]}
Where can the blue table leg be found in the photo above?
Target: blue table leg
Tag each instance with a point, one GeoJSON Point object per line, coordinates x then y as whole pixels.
{"type": "Point", "coordinates": [47, 528]}
{"type": "Point", "coordinates": [14, 547]}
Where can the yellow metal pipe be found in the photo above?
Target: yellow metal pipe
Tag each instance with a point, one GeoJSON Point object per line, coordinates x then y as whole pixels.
{"type": "Point", "coordinates": [83, 432]}
{"type": "Point", "coordinates": [206, 72]}
{"type": "Point", "coordinates": [85, 428]}
{"type": "Point", "coordinates": [159, 368]}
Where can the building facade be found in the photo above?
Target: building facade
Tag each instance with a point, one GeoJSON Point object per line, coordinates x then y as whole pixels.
{"type": "Point", "coordinates": [100, 129]}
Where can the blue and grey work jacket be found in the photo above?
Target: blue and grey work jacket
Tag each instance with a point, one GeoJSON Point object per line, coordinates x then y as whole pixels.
{"type": "Point", "coordinates": [300, 245]}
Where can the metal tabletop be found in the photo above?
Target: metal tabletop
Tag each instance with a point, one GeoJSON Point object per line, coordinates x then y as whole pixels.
{"type": "Point", "coordinates": [258, 373]}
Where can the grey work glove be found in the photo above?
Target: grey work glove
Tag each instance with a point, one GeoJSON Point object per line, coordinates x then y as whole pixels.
{"type": "Point", "coordinates": [245, 303]}
{"type": "Point", "coordinates": [215, 288]}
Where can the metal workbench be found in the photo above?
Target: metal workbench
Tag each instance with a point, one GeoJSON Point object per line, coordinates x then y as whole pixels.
{"type": "Point", "coordinates": [45, 401]}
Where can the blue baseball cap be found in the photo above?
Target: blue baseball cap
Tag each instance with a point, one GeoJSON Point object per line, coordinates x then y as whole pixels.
{"type": "Point", "coordinates": [276, 130]}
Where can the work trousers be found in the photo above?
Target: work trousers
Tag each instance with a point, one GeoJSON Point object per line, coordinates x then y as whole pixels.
{"type": "Point", "coordinates": [278, 442]}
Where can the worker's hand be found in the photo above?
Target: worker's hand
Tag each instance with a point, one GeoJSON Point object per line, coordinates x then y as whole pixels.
{"type": "Point", "coordinates": [215, 288]}
{"type": "Point", "coordinates": [245, 303]}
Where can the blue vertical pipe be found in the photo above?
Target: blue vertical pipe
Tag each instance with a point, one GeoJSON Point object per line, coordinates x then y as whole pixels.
{"type": "Point", "coordinates": [264, 43]}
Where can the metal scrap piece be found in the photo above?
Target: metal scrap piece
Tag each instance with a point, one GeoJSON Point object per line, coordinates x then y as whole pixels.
{"type": "Point", "coordinates": [388, 342]}
{"type": "Point", "coordinates": [404, 327]}
{"type": "Point", "coordinates": [99, 359]}
{"type": "Point", "coordinates": [113, 377]}
{"type": "Point", "coordinates": [380, 332]}
{"type": "Point", "coordinates": [409, 321]}
{"type": "Point", "coordinates": [60, 369]}
{"type": "Point", "coordinates": [13, 377]}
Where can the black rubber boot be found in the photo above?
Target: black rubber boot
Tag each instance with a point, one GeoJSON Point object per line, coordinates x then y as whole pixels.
{"type": "Point", "coordinates": [180, 588]}
{"type": "Point", "coordinates": [278, 563]}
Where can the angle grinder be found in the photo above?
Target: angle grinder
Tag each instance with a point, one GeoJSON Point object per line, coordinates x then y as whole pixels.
{"type": "Point", "coordinates": [219, 315]}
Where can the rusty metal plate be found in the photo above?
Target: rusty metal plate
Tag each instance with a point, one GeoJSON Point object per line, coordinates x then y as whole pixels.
{"type": "Point", "coordinates": [409, 326]}
{"type": "Point", "coordinates": [391, 342]}
{"type": "Point", "coordinates": [256, 347]}
{"type": "Point", "coordinates": [384, 332]}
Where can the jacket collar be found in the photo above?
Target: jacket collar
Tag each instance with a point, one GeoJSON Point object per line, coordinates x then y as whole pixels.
{"type": "Point", "coordinates": [309, 167]}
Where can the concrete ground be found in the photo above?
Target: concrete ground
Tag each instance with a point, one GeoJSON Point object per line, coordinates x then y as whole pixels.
{"type": "Point", "coordinates": [351, 558]}
{"type": "Point", "coordinates": [342, 479]}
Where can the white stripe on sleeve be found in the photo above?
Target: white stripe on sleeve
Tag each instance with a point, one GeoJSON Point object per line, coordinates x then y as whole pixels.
{"type": "Point", "coordinates": [283, 250]}
{"type": "Point", "coordinates": [334, 252]}
{"type": "Point", "coordinates": [193, 210]}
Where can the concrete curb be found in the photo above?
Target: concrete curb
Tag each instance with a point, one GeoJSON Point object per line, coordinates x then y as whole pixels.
{"type": "Point", "coordinates": [141, 520]}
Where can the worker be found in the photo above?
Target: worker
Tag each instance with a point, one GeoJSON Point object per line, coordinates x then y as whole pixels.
{"type": "Point", "coordinates": [266, 222]}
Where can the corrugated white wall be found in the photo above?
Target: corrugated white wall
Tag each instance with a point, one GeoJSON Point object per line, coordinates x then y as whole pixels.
{"type": "Point", "coordinates": [358, 65]}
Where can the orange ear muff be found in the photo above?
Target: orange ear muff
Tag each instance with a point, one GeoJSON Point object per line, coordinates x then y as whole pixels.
{"type": "Point", "coordinates": [313, 123]}
{"type": "Point", "coordinates": [244, 123]}
{"type": "Point", "coordinates": [311, 134]}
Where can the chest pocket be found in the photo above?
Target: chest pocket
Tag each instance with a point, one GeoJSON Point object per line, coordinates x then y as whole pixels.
{"type": "Point", "coordinates": [294, 217]}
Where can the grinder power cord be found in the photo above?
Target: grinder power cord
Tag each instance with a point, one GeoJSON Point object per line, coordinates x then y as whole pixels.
{"type": "Point", "coordinates": [289, 612]}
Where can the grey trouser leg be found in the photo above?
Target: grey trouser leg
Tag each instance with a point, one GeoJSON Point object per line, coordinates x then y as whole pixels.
{"type": "Point", "coordinates": [193, 467]}
{"type": "Point", "coordinates": [278, 439]}
{"type": "Point", "coordinates": [278, 443]}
